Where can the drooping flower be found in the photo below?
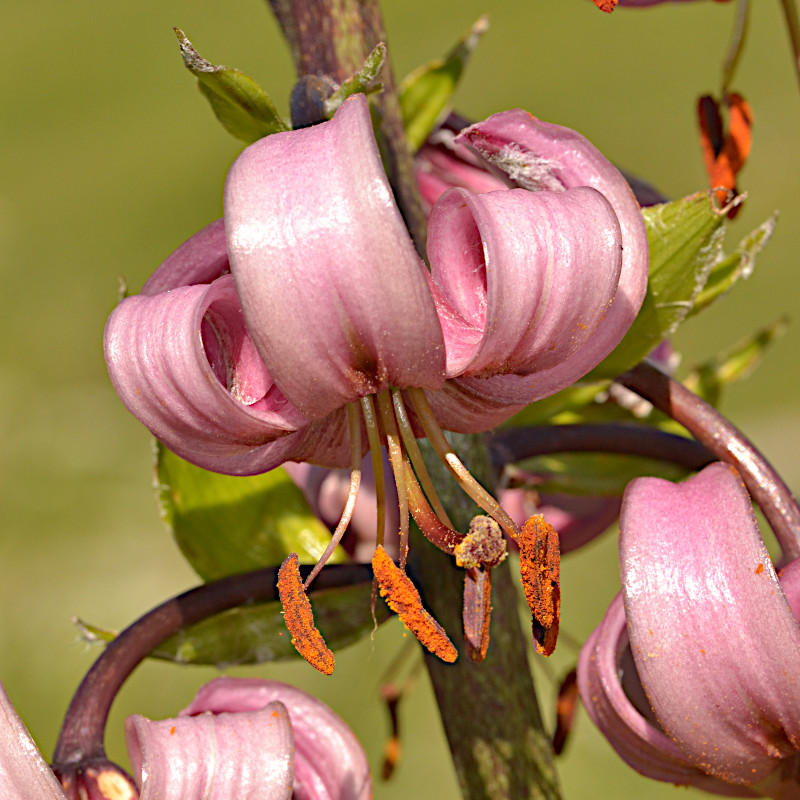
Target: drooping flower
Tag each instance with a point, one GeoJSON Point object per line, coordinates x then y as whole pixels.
{"type": "Point", "coordinates": [243, 738]}
{"type": "Point", "coordinates": [329, 311]}
{"type": "Point", "coordinates": [706, 628]}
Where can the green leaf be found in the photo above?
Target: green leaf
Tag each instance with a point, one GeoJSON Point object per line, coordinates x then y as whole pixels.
{"type": "Point", "coordinates": [257, 633]}
{"type": "Point", "coordinates": [735, 266]}
{"type": "Point", "coordinates": [685, 239]}
{"type": "Point", "coordinates": [595, 473]}
{"type": "Point", "coordinates": [565, 407]}
{"type": "Point", "coordinates": [364, 81]}
{"type": "Point", "coordinates": [240, 104]}
{"type": "Point", "coordinates": [425, 94]}
{"type": "Point", "coordinates": [709, 379]}
{"type": "Point", "coordinates": [225, 525]}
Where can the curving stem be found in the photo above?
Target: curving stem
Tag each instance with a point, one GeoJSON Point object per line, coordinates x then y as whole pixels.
{"type": "Point", "coordinates": [727, 443]}
{"type": "Point", "coordinates": [83, 732]}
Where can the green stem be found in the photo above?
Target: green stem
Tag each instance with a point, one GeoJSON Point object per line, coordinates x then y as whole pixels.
{"type": "Point", "coordinates": [793, 28]}
{"type": "Point", "coordinates": [332, 38]}
{"type": "Point", "coordinates": [490, 713]}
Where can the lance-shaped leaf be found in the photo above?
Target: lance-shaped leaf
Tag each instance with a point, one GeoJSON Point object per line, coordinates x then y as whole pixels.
{"type": "Point", "coordinates": [685, 239]}
{"type": "Point", "coordinates": [256, 634]}
{"type": "Point", "coordinates": [225, 525]}
{"type": "Point", "coordinates": [738, 265]}
{"type": "Point", "coordinates": [238, 101]}
{"type": "Point", "coordinates": [425, 93]}
{"type": "Point", "coordinates": [709, 379]}
{"type": "Point", "coordinates": [362, 81]}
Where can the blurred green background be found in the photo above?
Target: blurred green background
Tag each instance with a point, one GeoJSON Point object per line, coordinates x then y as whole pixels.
{"type": "Point", "coordinates": [111, 158]}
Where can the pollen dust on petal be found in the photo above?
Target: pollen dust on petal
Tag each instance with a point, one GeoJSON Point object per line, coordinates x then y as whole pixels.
{"type": "Point", "coordinates": [403, 598]}
{"type": "Point", "coordinates": [299, 617]}
{"type": "Point", "coordinates": [540, 566]}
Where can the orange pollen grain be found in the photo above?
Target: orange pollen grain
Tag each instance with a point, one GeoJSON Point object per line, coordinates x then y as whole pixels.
{"type": "Point", "coordinates": [759, 569]}
{"type": "Point", "coordinates": [403, 598]}
{"type": "Point", "coordinates": [299, 617]}
{"type": "Point", "coordinates": [172, 731]}
{"type": "Point", "coordinates": [540, 567]}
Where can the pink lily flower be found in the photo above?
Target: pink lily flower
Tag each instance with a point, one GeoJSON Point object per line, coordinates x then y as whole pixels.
{"type": "Point", "coordinates": [328, 312]}
{"type": "Point", "coordinates": [714, 640]}
{"type": "Point", "coordinates": [243, 738]}
{"type": "Point", "coordinates": [329, 303]}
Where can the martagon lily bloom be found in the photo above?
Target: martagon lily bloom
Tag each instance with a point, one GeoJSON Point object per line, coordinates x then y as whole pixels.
{"type": "Point", "coordinates": [328, 311]}
{"type": "Point", "coordinates": [246, 738]}
{"type": "Point", "coordinates": [714, 637]}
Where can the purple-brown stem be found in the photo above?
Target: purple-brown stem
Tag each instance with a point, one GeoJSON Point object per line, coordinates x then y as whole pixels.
{"type": "Point", "coordinates": [515, 444]}
{"type": "Point", "coordinates": [83, 732]}
{"type": "Point", "coordinates": [728, 444]}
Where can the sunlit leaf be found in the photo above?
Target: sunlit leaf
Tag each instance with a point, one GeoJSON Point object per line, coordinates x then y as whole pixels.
{"type": "Point", "coordinates": [735, 266]}
{"type": "Point", "coordinates": [225, 525]}
{"type": "Point", "coordinates": [238, 101]}
{"type": "Point", "coordinates": [425, 94]}
{"type": "Point", "coordinates": [738, 362]}
{"type": "Point", "coordinates": [364, 81]}
{"type": "Point", "coordinates": [685, 239]}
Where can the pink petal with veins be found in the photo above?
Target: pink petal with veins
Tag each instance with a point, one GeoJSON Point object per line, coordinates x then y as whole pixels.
{"type": "Point", "coordinates": [336, 298]}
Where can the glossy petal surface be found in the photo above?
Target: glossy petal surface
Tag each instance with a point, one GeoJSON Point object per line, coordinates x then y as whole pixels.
{"type": "Point", "coordinates": [716, 645]}
{"type": "Point", "coordinates": [335, 296]}
{"type": "Point", "coordinates": [329, 761]}
{"type": "Point", "coordinates": [540, 156]}
{"type": "Point", "coordinates": [246, 755]}
{"type": "Point", "coordinates": [24, 774]}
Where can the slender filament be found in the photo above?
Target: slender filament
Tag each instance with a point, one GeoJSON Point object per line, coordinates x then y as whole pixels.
{"type": "Point", "coordinates": [453, 463]}
{"type": "Point", "coordinates": [396, 458]}
{"type": "Point", "coordinates": [355, 481]}
{"type": "Point", "coordinates": [434, 530]}
{"type": "Point", "coordinates": [374, 439]}
{"type": "Point", "coordinates": [412, 448]}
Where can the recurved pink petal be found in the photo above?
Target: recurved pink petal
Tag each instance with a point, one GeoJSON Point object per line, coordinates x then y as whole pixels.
{"type": "Point", "coordinates": [540, 156]}
{"type": "Point", "coordinates": [716, 645]}
{"type": "Point", "coordinates": [534, 273]}
{"type": "Point", "coordinates": [201, 259]}
{"type": "Point", "coordinates": [604, 673]}
{"type": "Point", "coordinates": [184, 364]}
{"type": "Point", "coordinates": [440, 164]}
{"type": "Point", "coordinates": [330, 764]}
{"type": "Point", "coordinates": [334, 294]}
{"type": "Point", "coordinates": [246, 755]}
{"type": "Point", "coordinates": [23, 772]}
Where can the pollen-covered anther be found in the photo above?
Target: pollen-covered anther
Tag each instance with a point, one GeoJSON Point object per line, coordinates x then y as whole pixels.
{"type": "Point", "coordinates": [403, 598]}
{"type": "Point", "coordinates": [483, 545]}
{"type": "Point", "coordinates": [299, 617]}
{"type": "Point", "coordinates": [540, 566]}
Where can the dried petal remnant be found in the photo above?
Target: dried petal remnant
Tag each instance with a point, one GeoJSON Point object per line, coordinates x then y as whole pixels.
{"type": "Point", "coordinates": [540, 565]}
{"type": "Point", "coordinates": [403, 598]}
{"type": "Point", "coordinates": [299, 617]}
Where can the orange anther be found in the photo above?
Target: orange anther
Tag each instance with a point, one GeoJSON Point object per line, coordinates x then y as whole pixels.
{"type": "Point", "coordinates": [403, 598]}
{"type": "Point", "coordinates": [540, 565]}
{"type": "Point", "coordinates": [477, 611]}
{"type": "Point", "coordinates": [725, 154]}
{"type": "Point", "coordinates": [606, 5]}
{"type": "Point", "coordinates": [566, 705]}
{"type": "Point", "coordinates": [299, 617]}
